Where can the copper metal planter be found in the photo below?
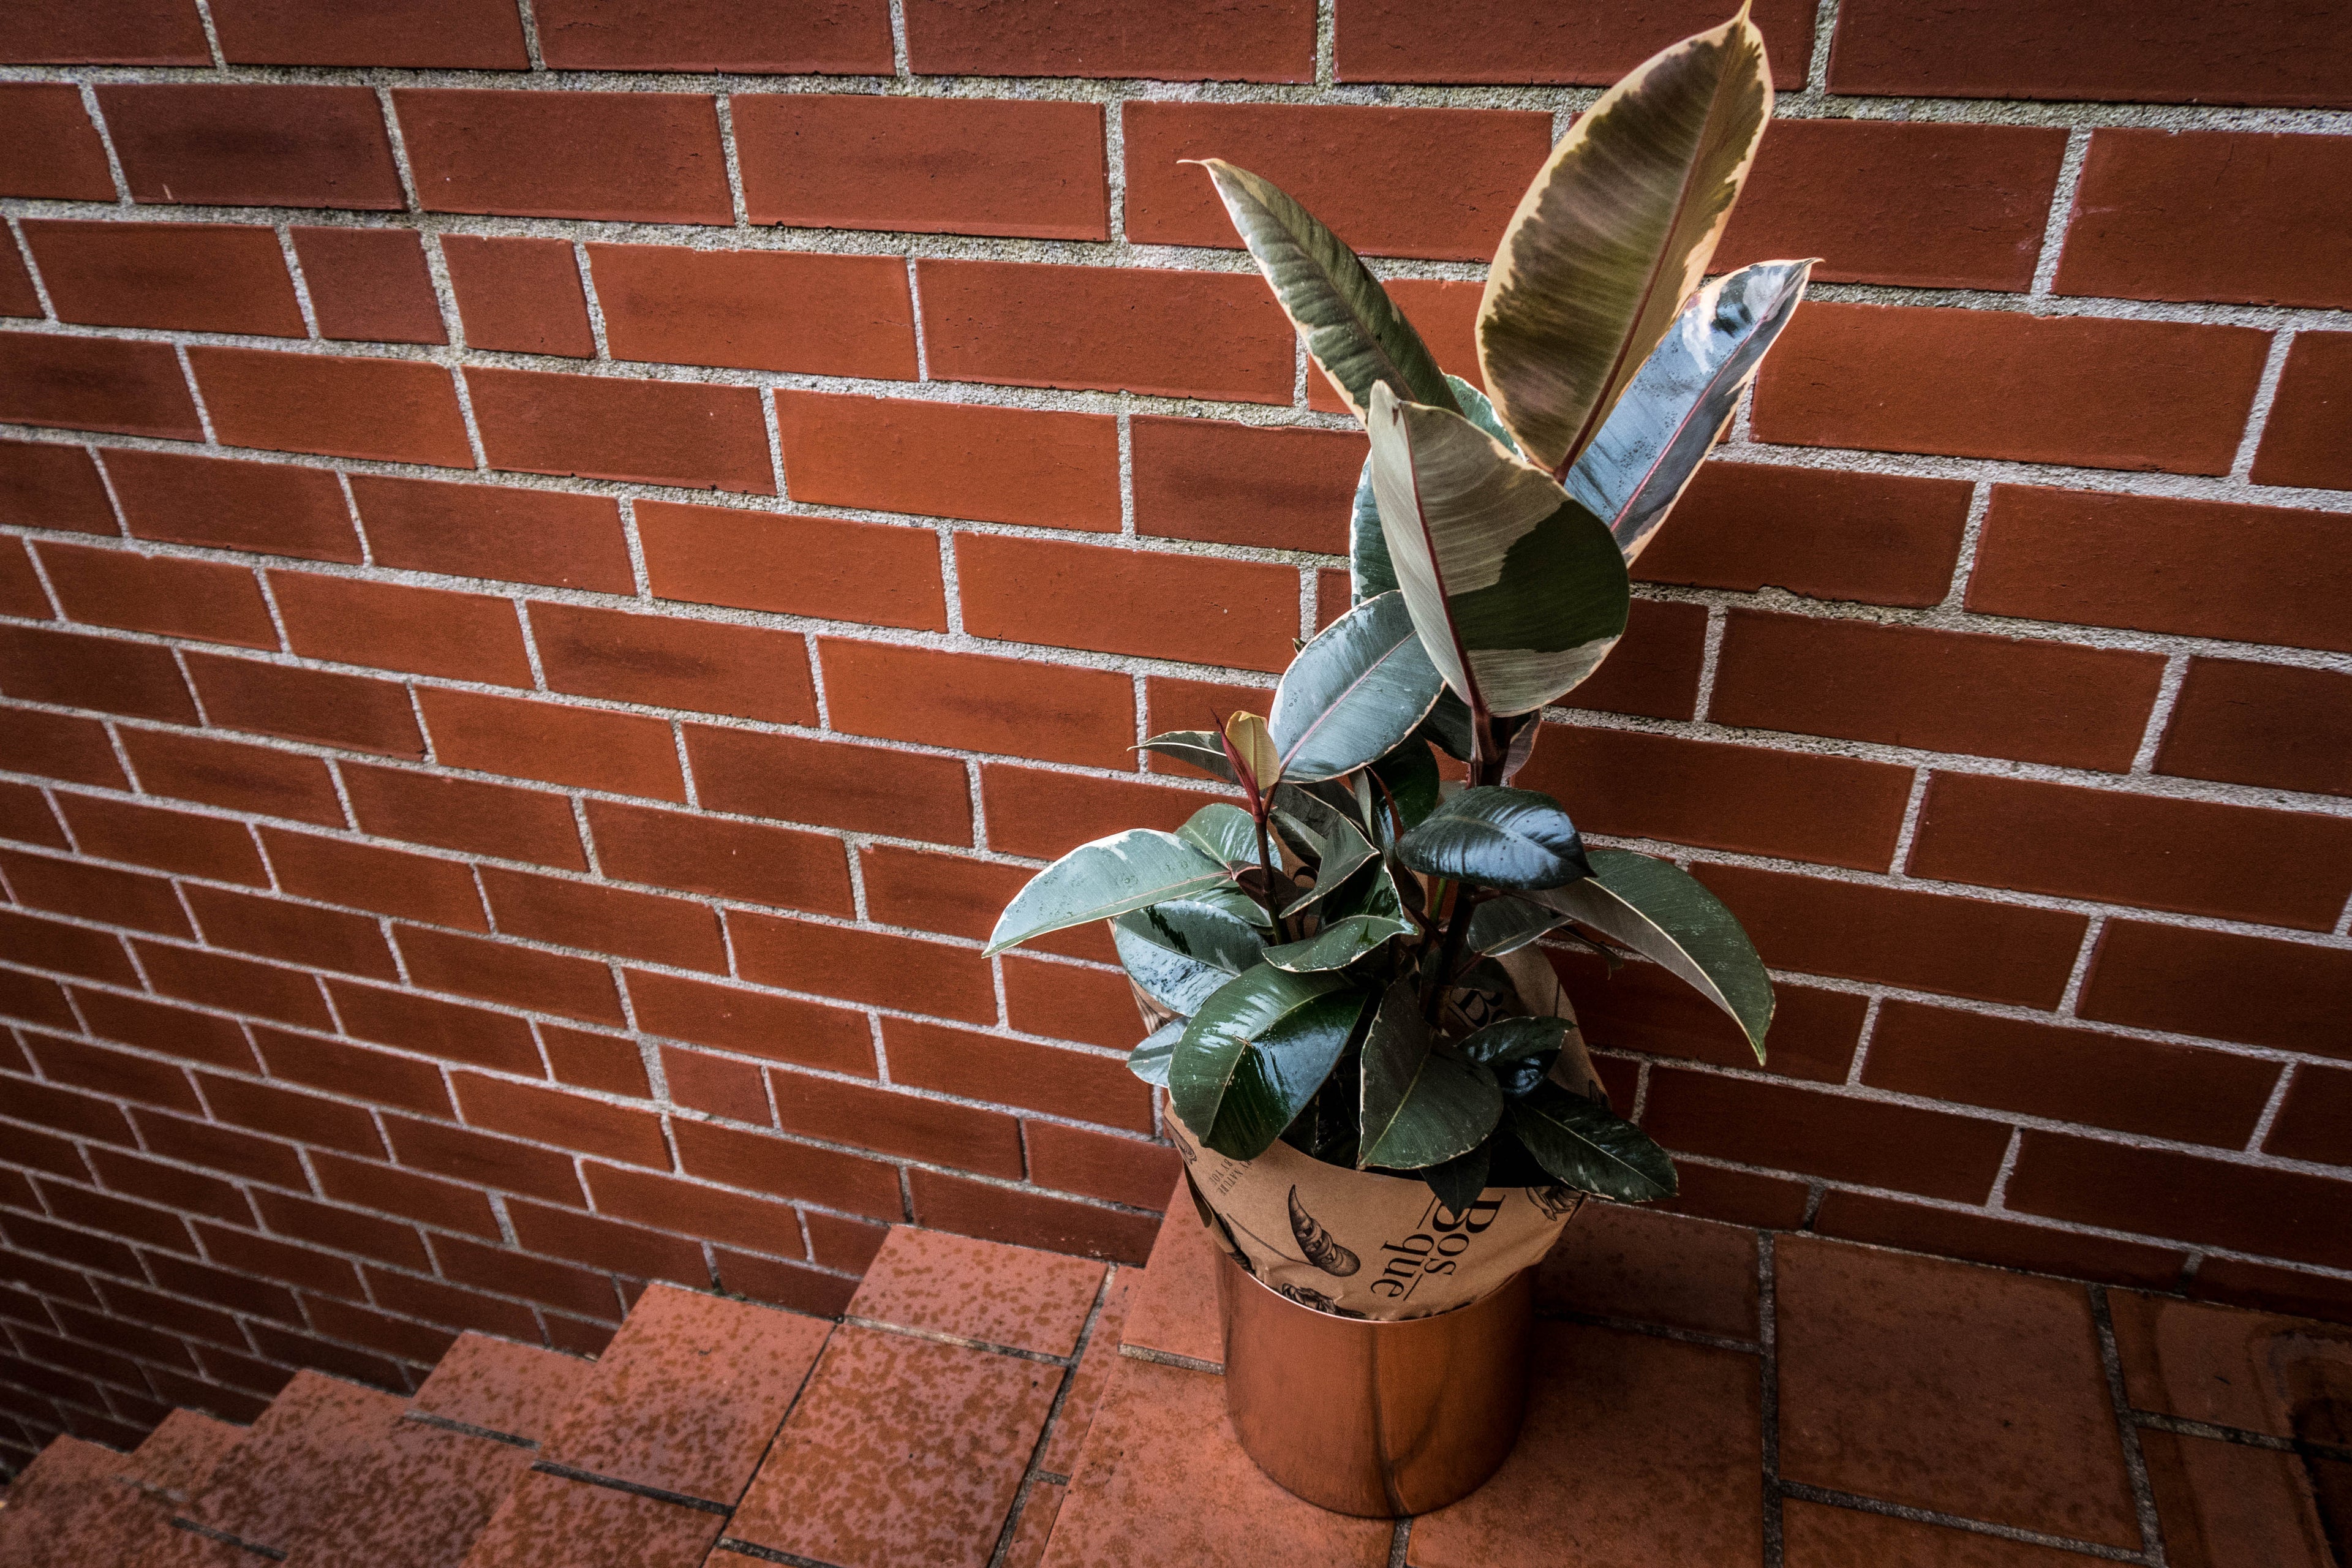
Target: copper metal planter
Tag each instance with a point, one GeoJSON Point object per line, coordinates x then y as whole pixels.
{"type": "Point", "coordinates": [1375, 1419]}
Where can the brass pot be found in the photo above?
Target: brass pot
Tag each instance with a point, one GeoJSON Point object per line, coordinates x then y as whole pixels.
{"type": "Point", "coordinates": [1382, 1420]}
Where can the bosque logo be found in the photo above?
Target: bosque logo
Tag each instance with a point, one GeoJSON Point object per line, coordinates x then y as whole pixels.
{"type": "Point", "coordinates": [1442, 1236]}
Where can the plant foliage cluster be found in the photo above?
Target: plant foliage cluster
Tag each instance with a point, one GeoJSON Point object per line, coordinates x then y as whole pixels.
{"type": "Point", "coordinates": [1326, 944]}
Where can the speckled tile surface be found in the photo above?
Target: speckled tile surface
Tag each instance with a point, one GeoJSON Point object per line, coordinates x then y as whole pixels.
{"type": "Point", "coordinates": [70, 1507]}
{"type": "Point", "coordinates": [1094, 1372]}
{"type": "Point", "coordinates": [1038, 1512]}
{"type": "Point", "coordinates": [284, 1481]}
{"type": "Point", "coordinates": [182, 1453]}
{"type": "Point", "coordinates": [548, 1521]}
{"type": "Point", "coordinates": [982, 1290]}
{"type": "Point", "coordinates": [427, 1496]}
{"type": "Point", "coordinates": [499, 1386]}
{"type": "Point", "coordinates": [1175, 1308]}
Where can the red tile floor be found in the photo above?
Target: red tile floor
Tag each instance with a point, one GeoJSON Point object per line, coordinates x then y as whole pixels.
{"type": "Point", "coordinates": [1705, 1396]}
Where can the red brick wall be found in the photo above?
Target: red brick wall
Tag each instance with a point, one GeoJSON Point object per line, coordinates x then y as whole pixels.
{"type": "Point", "coordinates": [556, 567]}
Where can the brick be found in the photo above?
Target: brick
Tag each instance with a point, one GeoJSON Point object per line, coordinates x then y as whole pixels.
{"type": "Point", "coordinates": [1654, 668]}
{"type": "Point", "coordinates": [1586, 44]}
{"type": "Point", "coordinates": [92, 892]}
{"type": "Point", "coordinates": [831, 783]}
{"type": "Point", "coordinates": [424, 631]}
{"type": "Point", "coordinates": [279, 1261]}
{"type": "Point", "coordinates": [849, 37]}
{"type": "Point", "coordinates": [456, 1308]}
{"type": "Point", "coordinates": [905, 973]}
{"type": "Point", "coordinates": [785, 1285]}
{"type": "Point", "coordinates": [568, 1120]}
{"type": "Point", "coordinates": [520, 977]}
{"type": "Point", "coordinates": [443, 1205]}
{"type": "Point", "coordinates": [67, 950]}
{"type": "Point", "coordinates": [840, 1243]}
{"type": "Point", "coordinates": [741, 860]}
{"type": "Point", "coordinates": [1275, 486]}
{"type": "Point", "coordinates": [234, 985]}
{"type": "Point", "coordinates": [1071, 1002]}
{"type": "Point", "coordinates": [221, 1149]}
{"type": "Point", "coordinates": [466, 816]}
{"type": "Point", "coordinates": [1098, 1164]}
{"type": "Point", "coordinates": [214, 144]}
{"type": "Point", "coordinates": [171, 1184]}
{"type": "Point", "coordinates": [821, 567]}
{"type": "Point", "coordinates": [700, 1211]}
{"type": "Point", "coordinates": [1927, 207]}
{"type": "Point", "coordinates": [47, 145]}
{"type": "Point", "coordinates": [589, 1060]}
{"type": "Point", "coordinates": [892, 1122]}
{"type": "Point", "coordinates": [1266, 40]}
{"type": "Point", "coordinates": [60, 1111]}
{"type": "Point", "coordinates": [1190, 608]}
{"type": "Point", "coordinates": [118, 1075]}
{"type": "Point", "coordinates": [343, 1229]}
{"type": "Point", "coordinates": [35, 999]}
{"type": "Point", "coordinates": [2104, 394]}
{"type": "Point", "coordinates": [1939, 691]}
{"type": "Point", "coordinates": [17, 295]}
{"type": "Point", "coordinates": [491, 530]}
{"type": "Point", "coordinates": [780, 1028]}
{"type": "Point", "coordinates": [1081, 1084]}
{"type": "Point", "coordinates": [478, 1160]}
{"type": "Point", "coordinates": [2169, 52]}
{"type": "Point", "coordinates": [853, 315]}
{"type": "Point", "coordinates": [1924, 941]}
{"type": "Point", "coordinates": [57, 746]}
{"type": "Point", "coordinates": [1834, 811]}
{"type": "Point", "coordinates": [1050, 713]}
{"type": "Point", "coordinates": [234, 776]}
{"type": "Point", "coordinates": [25, 818]}
{"type": "Point", "coordinates": [766, 1163]}
{"type": "Point", "coordinates": [268, 508]}
{"type": "Point", "coordinates": [1642, 1007]}
{"type": "Point", "coordinates": [695, 436]}
{"type": "Point", "coordinates": [601, 920]}
{"type": "Point", "coordinates": [665, 662]}
{"type": "Point", "coordinates": [1174, 335]}
{"type": "Point", "coordinates": [436, 1029]}
{"type": "Point", "coordinates": [195, 277]}
{"type": "Point", "coordinates": [480, 34]}
{"type": "Point", "coordinates": [1834, 1136]}
{"type": "Point", "coordinates": [38, 1235]}
{"type": "Point", "coordinates": [294, 933]}
{"type": "Point", "coordinates": [2277, 725]}
{"type": "Point", "coordinates": [1445, 314]}
{"type": "Point", "coordinates": [2300, 444]}
{"type": "Point", "coordinates": [2156, 1192]}
{"type": "Point", "coordinates": [2254, 990]}
{"type": "Point", "coordinates": [1042, 815]}
{"type": "Point", "coordinates": [167, 840]}
{"type": "Point", "coordinates": [602, 1243]}
{"type": "Point", "coordinates": [522, 295]}
{"type": "Point", "coordinates": [210, 601]}
{"type": "Point", "coordinates": [716, 1085]}
{"type": "Point", "coordinates": [345, 710]}
{"type": "Point", "coordinates": [647, 157]}
{"type": "Point", "coordinates": [369, 285]}
{"type": "Point", "coordinates": [51, 484]}
{"type": "Point", "coordinates": [2156, 563]}
{"type": "Point", "coordinates": [95, 383]}
{"type": "Point", "coordinates": [2312, 1122]}
{"type": "Point", "coordinates": [1027, 1217]}
{"type": "Point", "coordinates": [512, 1273]}
{"type": "Point", "coordinates": [401, 411]}
{"type": "Point", "coordinates": [1879, 538]}
{"type": "Point", "coordinates": [361, 876]}
{"type": "Point", "coordinates": [160, 1027]}
{"type": "Point", "coordinates": [2003, 1243]}
{"type": "Point", "coordinates": [956, 896]}
{"type": "Point", "coordinates": [949, 459]}
{"type": "Point", "coordinates": [409, 1342]}
{"type": "Point", "coordinates": [142, 32]}
{"type": "Point", "coordinates": [621, 752]}
{"type": "Point", "coordinates": [354, 1072]}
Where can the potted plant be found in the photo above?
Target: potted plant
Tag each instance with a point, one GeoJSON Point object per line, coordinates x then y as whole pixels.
{"type": "Point", "coordinates": [1383, 1106]}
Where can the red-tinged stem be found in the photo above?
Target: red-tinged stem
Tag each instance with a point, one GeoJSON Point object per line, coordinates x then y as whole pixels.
{"type": "Point", "coordinates": [1485, 768]}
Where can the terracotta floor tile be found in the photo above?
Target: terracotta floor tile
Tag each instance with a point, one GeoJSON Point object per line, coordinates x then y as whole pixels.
{"type": "Point", "coordinates": [282, 1485]}
{"type": "Point", "coordinates": [1175, 1308]}
{"type": "Point", "coordinates": [1036, 1527]}
{"type": "Point", "coordinates": [181, 1455]}
{"type": "Point", "coordinates": [689, 1394]}
{"type": "Point", "coordinates": [549, 1523]}
{"type": "Point", "coordinates": [70, 1505]}
{"type": "Point", "coordinates": [1949, 1387]}
{"type": "Point", "coordinates": [425, 1498]}
{"type": "Point", "coordinates": [984, 1290]}
{"type": "Point", "coordinates": [1814, 1536]}
{"type": "Point", "coordinates": [501, 1386]}
{"type": "Point", "coordinates": [2225, 1505]}
{"type": "Point", "coordinates": [1638, 1452]}
{"type": "Point", "coordinates": [170, 1548]}
{"type": "Point", "coordinates": [1164, 1485]}
{"type": "Point", "coordinates": [1649, 1267]}
{"type": "Point", "coordinates": [1094, 1371]}
{"type": "Point", "coordinates": [902, 1451]}
{"type": "Point", "coordinates": [2220, 1365]}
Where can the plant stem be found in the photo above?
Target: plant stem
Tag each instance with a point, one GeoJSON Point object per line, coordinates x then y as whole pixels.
{"type": "Point", "coordinates": [1265, 865]}
{"type": "Point", "coordinates": [1485, 768]}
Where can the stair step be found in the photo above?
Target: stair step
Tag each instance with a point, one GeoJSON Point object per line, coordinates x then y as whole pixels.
{"type": "Point", "coordinates": [497, 1385]}
{"type": "Point", "coordinates": [182, 1453]}
{"type": "Point", "coordinates": [305, 1455]}
{"type": "Point", "coordinates": [551, 1521]}
{"type": "Point", "coordinates": [984, 1291]}
{"type": "Point", "coordinates": [1175, 1311]}
{"type": "Point", "coordinates": [71, 1505]}
{"type": "Point", "coordinates": [421, 1498]}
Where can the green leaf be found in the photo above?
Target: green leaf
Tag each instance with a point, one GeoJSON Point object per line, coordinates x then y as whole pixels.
{"type": "Point", "coordinates": [1109, 877]}
{"type": "Point", "coordinates": [1354, 332]}
{"type": "Point", "coordinates": [1256, 1052]}
{"type": "Point", "coordinates": [1458, 1182]}
{"type": "Point", "coordinates": [1517, 590]}
{"type": "Point", "coordinates": [1419, 1106]}
{"type": "Point", "coordinates": [1354, 692]}
{"type": "Point", "coordinates": [1639, 465]}
{"type": "Point", "coordinates": [1665, 914]}
{"type": "Point", "coordinates": [1592, 1148]}
{"type": "Point", "coordinates": [1614, 234]}
{"type": "Point", "coordinates": [1414, 786]}
{"type": "Point", "coordinates": [1503, 925]}
{"type": "Point", "coordinates": [1195, 748]}
{"type": "Point", "coordinates": [1343, 852]}
{"type": "Point", "coordinates": [1448, 726]}
{"type": "Point", "coordinates": [1180, 953]}
{"type": "Point", "coordinates": [1497, 838]}
{"type": "Point", "coordinates": [1225, 833]}
{"type": "Point", "coordinates": [1519, 1051]}
{"type": "Point", "coordinates": [1357, 917]}
{"type": "Point", "coordinates": [1369, 575]}
{"type": "Point", "coordinates": [1152, 1054]}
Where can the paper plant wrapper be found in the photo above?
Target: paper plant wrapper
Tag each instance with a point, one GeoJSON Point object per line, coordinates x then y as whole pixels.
{"type": "Point", "coordinates": [1367, 1245]}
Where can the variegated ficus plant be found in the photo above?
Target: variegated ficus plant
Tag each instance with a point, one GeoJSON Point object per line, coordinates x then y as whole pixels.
{"type": "Point", "coordinates": [1327, 943]}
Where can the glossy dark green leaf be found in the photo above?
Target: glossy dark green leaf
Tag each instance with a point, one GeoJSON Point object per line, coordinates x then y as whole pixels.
{"type": "Point", "coordinates": [1153, 1054]}
{"type": "Point", "coordinates": [1225, 833]}
{"type": "Point", "coordinates": [1413, 786]}
{"type": "Point", "coordinates": [1503, 925]}
{"type": "Point", "coordinates": [1354, 334]}
{"type": "Point", "coordinates": [1639, 465]}
{"type": "Point", "coordinates": [1354, 692]}
{"type": "Point", "coordinates": [1360, 915]}
{"type": "Point", "coordinates": [1109, 877]}
{"type": "Point", "coordinates": [1497, 838]}
{"type": "Point", "coordinates": [1369, 572]}
{"type": "Point", "coordinates": [1448, 727]}
{"type": "Point", "coordinates": [1519, 1051]}
{"type": "Point", "coordinates": [1583, 1143]}
{"type": "Point", "coordinates": [1459, 1181]}
{"type": "Point", "coordinates": [1421, 1107]}
{"type": "Point", "coordinates": [1180, 953]}
{"type": "Point", "coordinates": [1196, 748]}
{"type": "Point", "coordinates": [1340, 854]}
{"type": "Point", "coordinates": [1256, 1052]}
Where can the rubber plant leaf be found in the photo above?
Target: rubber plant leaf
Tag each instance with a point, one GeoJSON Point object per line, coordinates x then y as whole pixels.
{"type": "Point", "coordinates": [1517, 1051]}
{"type": "Point", "coordinates": [1197, 748]}
{"type": "Point", "coordinates": [1585, 1144]}
{"type": "Point", "coordinates": [1409, 777]}
{"type": "Point", "coordinates": [1517, 590]}
{"type": "Point", "coordinates": [1109, 877]}
{"type": "Point", "coordinates": [1223, 833]}
{"type": "Point", "coordinates": [1353, 332]}
{"type": "Point", "coordinates": [1497, 838]}
{"type": "Point", "coordinates": [1458, 1183]}
{"type": "Point", "coordinates": [1642, 460]}
{"type": "Point", "coordinates": [1665, 914]}
{"type": "Point", "coordinates": [1180, 953]}
{"type": "Point", "coordinates": [1498, 926]}
{"type": "Point", "coordinates": [1342, 851]}
{"type": "Point", "coordinates": [1369, 571]}
{"type": "Point", "coordinates": [1614, 234]}
{"type": "Point", "coordinates": [1152, 1054]}
{"type": "Point", "coordinates": [1353, 693]}
{"type": "Point", "coordinates": [1420, 1106]}
{"type": "Point", "coordinates": [1256, 1052]}
{"type": "Point", "coordinates": [1357, 917]}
